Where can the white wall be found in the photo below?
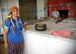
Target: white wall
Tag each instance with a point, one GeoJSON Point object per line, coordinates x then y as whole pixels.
{"type": "Point", "coordinates": [0, 21]}
{"type": "Point", "coordinates": [46, 8]}
{"type": "Point", "coordinates": [6, 4]}
{"type": "Point", "coordinates": [40, 9]}
{"type": "Point", "coordinates": [0, 16]}
{"type": "Point", "coordinates": [4, 9]}
{"type": "Point", "coordinates": [1, 28]}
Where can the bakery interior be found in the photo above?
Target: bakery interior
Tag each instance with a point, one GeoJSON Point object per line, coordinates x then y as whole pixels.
{"type": "Point", "coordinates": [38, 37]}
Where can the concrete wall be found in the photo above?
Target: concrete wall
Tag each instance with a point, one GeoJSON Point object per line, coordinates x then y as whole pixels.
{"type": "Point", "coordinates": [41, 8]}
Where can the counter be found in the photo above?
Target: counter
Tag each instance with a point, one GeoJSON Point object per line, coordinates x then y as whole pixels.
{"type": "Point", "coordinates": [60, 26]}
{"type": "Point", "coordinates": [41, 42]}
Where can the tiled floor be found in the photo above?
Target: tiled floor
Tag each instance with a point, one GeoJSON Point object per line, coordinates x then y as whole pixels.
{"type": "Point", "coordinates": [2, 49]}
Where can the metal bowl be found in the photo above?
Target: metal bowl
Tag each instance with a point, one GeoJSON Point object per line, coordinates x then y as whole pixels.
{"type": "Point", "coordinates": [40, 27]}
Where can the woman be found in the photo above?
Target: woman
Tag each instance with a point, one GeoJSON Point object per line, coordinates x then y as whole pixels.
{"type": "Point", "coordinates": [13, 37]}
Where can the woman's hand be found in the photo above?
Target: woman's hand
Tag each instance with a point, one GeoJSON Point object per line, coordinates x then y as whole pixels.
{"type": "Point", "coordinates": [24, 28]}
{"type": "Point", "coordinates": [6, 45]}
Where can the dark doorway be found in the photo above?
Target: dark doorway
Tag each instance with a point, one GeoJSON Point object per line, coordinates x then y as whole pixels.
{"type": "Point", "coordinates": [63, 13]}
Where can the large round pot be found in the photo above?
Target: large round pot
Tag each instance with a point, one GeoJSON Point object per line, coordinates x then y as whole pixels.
{"type": "Point", "coordinates": [40, 27]}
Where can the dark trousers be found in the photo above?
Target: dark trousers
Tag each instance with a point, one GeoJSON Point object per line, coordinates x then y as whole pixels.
{"type": "Point", "coordinates": [15, 48]}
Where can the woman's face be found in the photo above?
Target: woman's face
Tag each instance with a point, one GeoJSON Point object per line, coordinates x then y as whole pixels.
{"type": "Point", "coordinates": [15, 13]}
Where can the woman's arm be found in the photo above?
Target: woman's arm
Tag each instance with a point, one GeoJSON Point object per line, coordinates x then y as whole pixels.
{"type": "Point", "coordinates": [5, 37]}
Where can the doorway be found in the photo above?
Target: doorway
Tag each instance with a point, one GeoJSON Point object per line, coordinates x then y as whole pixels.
{"type": "Point", "coordinates": [28, 9]}
{"type": "Point", "coordinates": [63, 13]}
